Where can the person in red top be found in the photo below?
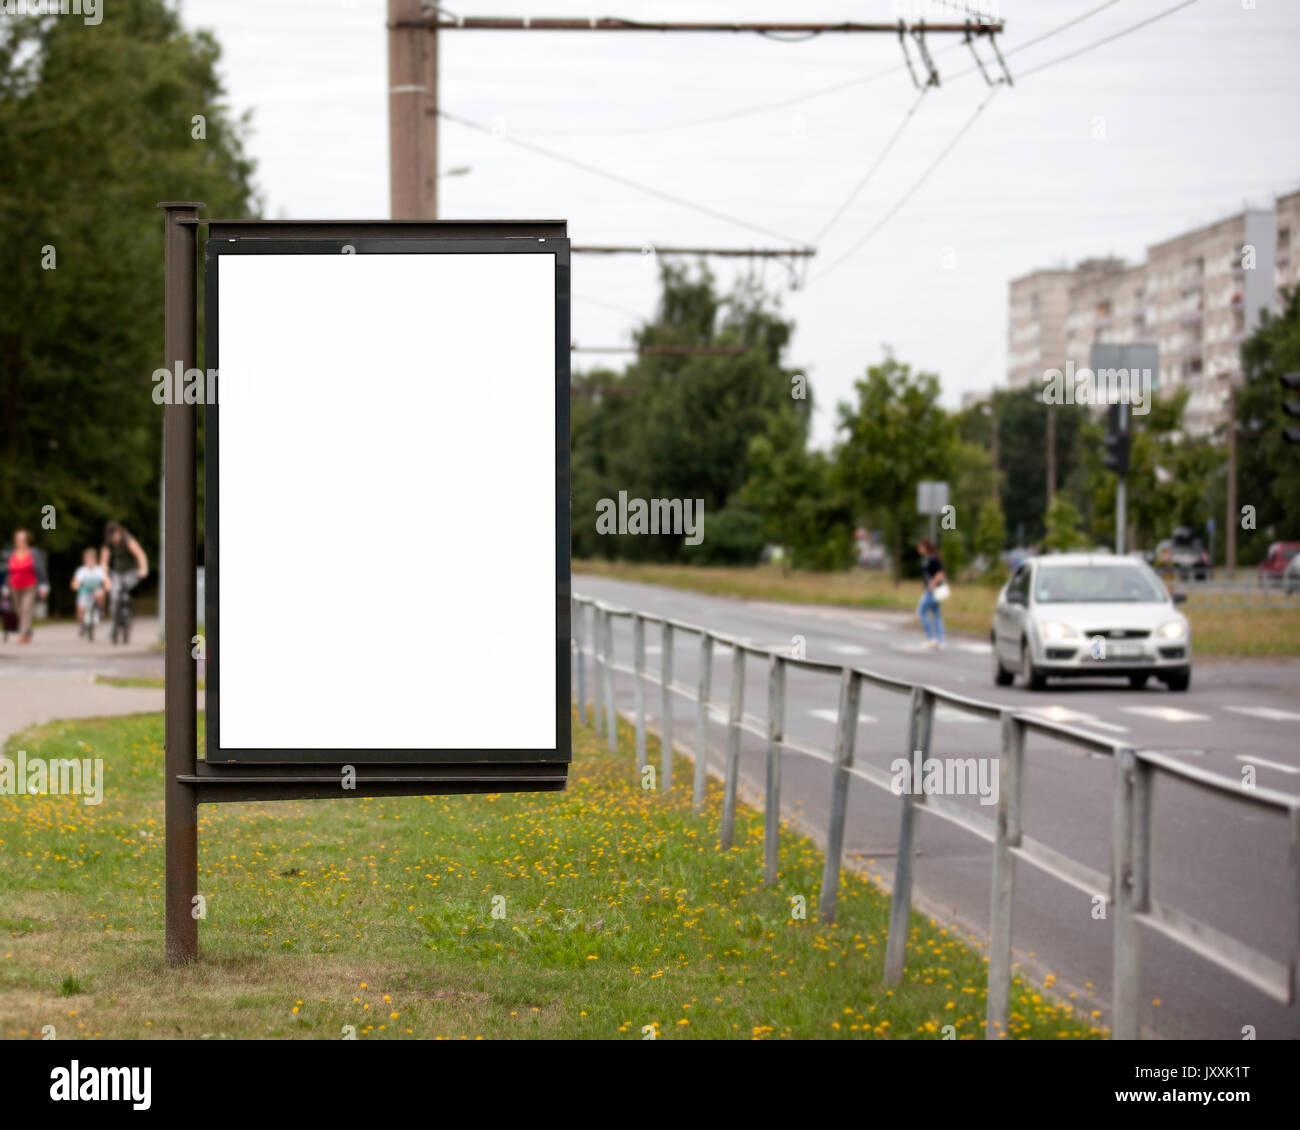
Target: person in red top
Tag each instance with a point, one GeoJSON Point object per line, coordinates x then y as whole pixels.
{"type": "Point", "coordinates": [26, 578]}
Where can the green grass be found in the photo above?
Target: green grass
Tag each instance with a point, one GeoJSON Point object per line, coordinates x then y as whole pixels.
{"type": "Point", "coordinates": [135, 681]}
{"type": "Point", "coordinates": [620, 914]}
{"type": "Point", "coordinates": [1216, 630]}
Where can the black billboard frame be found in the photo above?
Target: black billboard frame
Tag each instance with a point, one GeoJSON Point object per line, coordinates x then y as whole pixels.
{"type": "Point", "coordinates": [190, 781]}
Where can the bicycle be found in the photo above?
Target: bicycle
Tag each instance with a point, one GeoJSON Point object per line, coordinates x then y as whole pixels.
{"type": "Point", "coordinates": [87, 626]}
{"type": "Point", "coordinates": [123, 614]}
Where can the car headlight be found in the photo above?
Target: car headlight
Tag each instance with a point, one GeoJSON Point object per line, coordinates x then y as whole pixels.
{"type": "Point", "coordinates": [1172, 630]}
{"type": "Point", "coordinates": [1055, 630]}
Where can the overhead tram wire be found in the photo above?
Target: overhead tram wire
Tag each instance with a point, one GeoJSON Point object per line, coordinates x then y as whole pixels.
{"type": "Point", "coordinates": [875, 165]}
{"type": "Point", "coordinates": [795, 100]}
{"type": "Point", "coordinates": [627, 182]}
{"type": "Point", "coordinates": [971, 120]}
{"type": "Point", "coordinates": [1109, 39]}
{"type": "Point", "coordinates": [966, 126]}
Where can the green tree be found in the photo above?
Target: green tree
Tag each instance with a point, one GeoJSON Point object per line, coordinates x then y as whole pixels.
{"type": "Point", "coordinates": [1062, 521]}
{"type": "Point", "coordinates": [792, 489]}
{"type": "Point", "coordinates": [991, 536]}
{"type": "Point", "coordinates": [96, 126]}
{"type": "Point", "coordinates": [1268, 468]}
{"type": "Point", "coordinates": [676, 425]}
{"type": "Point", "coordinates": [896, 435]}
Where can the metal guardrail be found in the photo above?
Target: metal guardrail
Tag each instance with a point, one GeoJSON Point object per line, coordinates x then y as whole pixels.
{"type": "Point", "coordinates": [1126, 890]}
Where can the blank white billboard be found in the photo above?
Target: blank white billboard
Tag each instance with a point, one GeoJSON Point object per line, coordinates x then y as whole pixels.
{"type": "Point", "coordinates": [386, 502]}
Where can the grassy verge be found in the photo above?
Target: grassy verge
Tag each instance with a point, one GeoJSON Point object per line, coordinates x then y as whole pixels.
{"type": "Point", "coordinates": [1242, 631]}
{"type": "Point", "coordinates": [135, 681]}
{"type": "Point", "coordinates": [620, 914]}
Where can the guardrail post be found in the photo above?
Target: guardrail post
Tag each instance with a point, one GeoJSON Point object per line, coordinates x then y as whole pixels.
{"type": "Point", "coordinates": [1007, 833]}
{"type": "Point", "coordinates": [1131, 883]}
{"type": "Point", "coordinates": [638, 686]}
{"type": "Point", "coordinates": [611, 711]}
{"type": "Point", "coordinates": [734, 718]}
{"type": "Point", "coordinates": [579, 616]}
{"type": "Point", "coordinates": [702, 722]}
{"type": "Point", "coordinates": [666, 725]}
{"type": "Point", "coordinates": [1293, 818]}
{"type": "Point", "coordinates": [595, 633]}
{"type": "Point", "coordinates": [772, 792]}
{"type": "Point", "coordinates": [846, 732]}
{"type": "Point", "coordinates": [920, 718]}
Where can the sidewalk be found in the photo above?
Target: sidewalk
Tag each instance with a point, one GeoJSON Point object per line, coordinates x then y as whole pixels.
{"type": "Point", "coordinates": [54, 676]}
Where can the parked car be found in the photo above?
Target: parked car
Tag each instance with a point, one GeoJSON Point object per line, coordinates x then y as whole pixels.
{"type": "Point", "coordinates": [1274, 566]}
{"type": "Point", "coordinates": [1183, 555]}
{"type": "Point", "coordinates": [1291, 578]}
{"type": "Point", "coordinates": [1080, 615]}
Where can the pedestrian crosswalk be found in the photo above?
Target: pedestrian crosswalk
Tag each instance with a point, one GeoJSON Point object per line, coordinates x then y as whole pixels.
{"type": "Point", "coordinates": [1268, 713]}
{"type": "Point", "coordinates": [1166, 713]}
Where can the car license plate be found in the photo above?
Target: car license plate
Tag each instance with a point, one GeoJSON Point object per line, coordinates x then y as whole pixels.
{"type": "Point", "coordinates": [1123, 651]}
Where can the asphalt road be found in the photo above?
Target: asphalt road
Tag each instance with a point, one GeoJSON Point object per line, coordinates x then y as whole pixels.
{"type": "Point", "coordinates": [1220, 861]}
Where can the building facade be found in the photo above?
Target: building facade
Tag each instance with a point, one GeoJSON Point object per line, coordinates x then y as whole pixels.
{"type": "Point", "coordinates": [1197, 296]}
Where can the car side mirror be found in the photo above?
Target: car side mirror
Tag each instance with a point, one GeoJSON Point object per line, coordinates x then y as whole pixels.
{"type": "Point", "coordinates": [1016, 598]}
{"type": "Point", "coordinates": [1180, 598]}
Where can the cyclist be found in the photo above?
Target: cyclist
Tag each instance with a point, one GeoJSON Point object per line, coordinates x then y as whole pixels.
{"type": "Point", "coordinates": [126, 564]}
{"type": "Point", "coordinates": [90, 582]}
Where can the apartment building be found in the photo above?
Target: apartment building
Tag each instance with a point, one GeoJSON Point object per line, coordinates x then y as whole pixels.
{"type": "Point", "coordinates": [1197, 296]}
{"type": "Point", "coordinates": [1040, 303]}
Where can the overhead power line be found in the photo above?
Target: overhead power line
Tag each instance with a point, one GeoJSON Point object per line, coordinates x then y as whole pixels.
{"type": "Point", "coordinates": [808, 96]}
{"type": "Point", "coordinates": [966, 126]}
{"type": "Point", "coordinates": [1109, 38]}
{"type": "Point", "coordinates": [627, 182]}
{"type": "Point", "coordinates": [866, 177]}
{"type": "Point", "coordinates": [911, 191]}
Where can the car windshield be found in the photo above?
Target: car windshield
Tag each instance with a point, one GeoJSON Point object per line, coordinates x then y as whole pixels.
{"type": "Point", "coordinates": [1096, 584]}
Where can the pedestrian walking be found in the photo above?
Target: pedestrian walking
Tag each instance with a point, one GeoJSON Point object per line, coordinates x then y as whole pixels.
{"type": "Point", "coordinates": [936, 592]}
{"type": "Point", "coordinates": [26, 579]}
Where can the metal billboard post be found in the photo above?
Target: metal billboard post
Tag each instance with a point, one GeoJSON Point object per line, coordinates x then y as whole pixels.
{"type": "Point", "coordinates": [180, 725]}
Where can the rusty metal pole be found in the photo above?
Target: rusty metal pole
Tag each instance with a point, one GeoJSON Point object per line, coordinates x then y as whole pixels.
{"type": "Point", "coordinates": [180, 346]}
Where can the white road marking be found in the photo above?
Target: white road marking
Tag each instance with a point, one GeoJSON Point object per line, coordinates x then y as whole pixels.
{"type": "Point", "coordinates": [1267, 712]}
{"type": "Point", "coordinates": [1166, 713]}
{"type": "Point", "coordinates": [833, 716]}
{"type": "Point", "coordinates": [1251, 759]}
{"type": "Point", "coordinates": [849, 649]}
{"type": "Point", "coordinates": [951, 714]}
{"type": "Point", "coordinates": [973, 648]}
{"type": "Point", "coordinates": [1064, 714]}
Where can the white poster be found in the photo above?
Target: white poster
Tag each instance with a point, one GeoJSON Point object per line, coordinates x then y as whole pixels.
{"type": "Point", "coordinates": [387, 501]}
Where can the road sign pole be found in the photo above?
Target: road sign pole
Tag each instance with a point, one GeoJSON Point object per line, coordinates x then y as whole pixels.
{"type": "Point", "coordinates": [181, 809]}
{"type": "Point", "coordinates": [1121, 487]}
{"type": "Point", "coordinates": [1120, 516]}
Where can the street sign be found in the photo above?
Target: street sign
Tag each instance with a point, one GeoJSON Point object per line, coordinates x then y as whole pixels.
{"type": "Point", "coordinates": [1124, 378]}
{"type": "Point", "coordinates": [931, 497]}
{"type": "Point", "coordinates": [387, 515]}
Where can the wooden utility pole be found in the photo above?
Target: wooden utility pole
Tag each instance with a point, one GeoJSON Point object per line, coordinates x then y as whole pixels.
{"type": "Point", "coordinates": [1230, 526]}
{"type": "Point", "coordinates": [412, 112]}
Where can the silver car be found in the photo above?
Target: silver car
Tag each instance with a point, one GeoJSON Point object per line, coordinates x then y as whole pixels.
{"type": "Point", "coordinates": [1079, 615]}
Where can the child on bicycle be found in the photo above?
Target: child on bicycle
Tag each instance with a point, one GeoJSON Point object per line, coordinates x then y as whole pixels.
{"type": "Point", "coordinates": [90, 583]}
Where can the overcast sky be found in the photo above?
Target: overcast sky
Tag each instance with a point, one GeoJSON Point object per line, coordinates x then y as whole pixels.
{"type": "Point", "coordinates": [1198, 114]}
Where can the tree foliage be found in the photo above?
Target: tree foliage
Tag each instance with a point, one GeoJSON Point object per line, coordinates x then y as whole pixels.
{"type": "Point", "coordinates": [96, 127]}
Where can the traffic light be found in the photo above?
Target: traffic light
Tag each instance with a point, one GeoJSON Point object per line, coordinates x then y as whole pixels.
{"type": "Point", "coordinates": [1291, 381]}
{"type": "Point", "coordinates": [1115, 455]}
